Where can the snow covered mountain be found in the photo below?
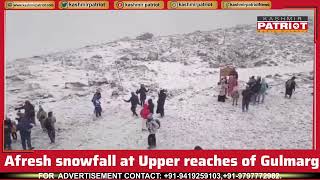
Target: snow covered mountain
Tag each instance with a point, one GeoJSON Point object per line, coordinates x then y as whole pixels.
{"type": "Point", "coordinates": [187, 65]}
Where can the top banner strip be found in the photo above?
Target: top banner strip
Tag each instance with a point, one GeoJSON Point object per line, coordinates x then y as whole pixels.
{"type": "Point", "coordinates": [135, 5]}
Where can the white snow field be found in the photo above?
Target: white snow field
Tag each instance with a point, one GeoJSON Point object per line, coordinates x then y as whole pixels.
{"type": "Point", "coordinates": [187, 65]}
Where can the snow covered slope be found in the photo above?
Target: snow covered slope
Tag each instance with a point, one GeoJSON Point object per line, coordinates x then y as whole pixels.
{"type": "Point", "coordinates": [186, 65]}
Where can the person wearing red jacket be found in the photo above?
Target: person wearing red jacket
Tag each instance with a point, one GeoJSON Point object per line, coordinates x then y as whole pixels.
{"type": "Point", "coordinates": [144, 114]}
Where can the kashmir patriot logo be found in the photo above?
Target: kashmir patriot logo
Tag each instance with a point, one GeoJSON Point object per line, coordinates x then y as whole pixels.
{"type": "Point", "coordinates": [282, 23]}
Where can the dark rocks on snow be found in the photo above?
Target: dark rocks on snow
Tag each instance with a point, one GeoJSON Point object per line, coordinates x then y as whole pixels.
{"type": "Point", "coordinates": [153, 56]}
{"type": "Point", "coordinates": [145, 36]}
{"type": "Point", "coordinates": [277, 75]}
{"type": "Point", "coordinates": [269, 76]}
{"type": "Point", "coordinates": [199, 53]}
{"type": "Point", "coordinates": [208, 38]}
{"type": "Point", "coordinates": [120, 88]}
{"type": "Point", "coordinates": [124, 58]}
{"type": "Point", "coordinates": [81, 94]}
{"type": "Point", "coordinates": [213, 65]}
{"type": "Point", "coordinates": [115, 93]}
{"type": "Point", "coordinates": [69, 85]}
{"type": "Point", "coordinates": [259, 63]}
{"type": "Point", "coordinates": [113, 84]}
{"type": "Point", "coordinates": [97, 57]}
{"type": "Point", "coordinates": [15, 78]}
{"type": "Point", "coordinates": [98, 82]}
{"type": "Point", "coordinates": [41, 95]}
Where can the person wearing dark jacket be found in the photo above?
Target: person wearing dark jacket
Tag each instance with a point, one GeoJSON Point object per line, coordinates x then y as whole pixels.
{"type": "Point", "coordinates": [42, 116]}
{"type": "Point", "coordinates": [97, 108]}
{"type": "Point", "coordinates": [143, 94]}
{"type": "Point", "coordinates": [251, 81]}
{"type": "Point", "coordinates": [151, 106]}
{"type": "Point", "coordinates": [29, 112]}
{"type": "Point", "coordinates": [246, 97]}
{"type": "Point", "coordinates": [160, 103]}
{"type": "Point", "coordinates": [97, 103]}
{"type": "Point", "coordinates": [20, 116]}
{"type": "Point", "coordinates": [134, 102]}
{"type": "Point", "coordinates": [7, 134]}
{"type": "Point", "coordinates": [97, 95]}
{"type": "Point", "coordinates": [50, 126]}
{"type": "Point", "coordinates": [255, 88]}
{"type": "Point", "coordinates": [24, 126]}
{"type": "Point", "coordinates": [290, 87]}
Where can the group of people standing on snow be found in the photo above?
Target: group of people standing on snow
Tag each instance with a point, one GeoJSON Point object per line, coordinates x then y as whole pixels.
{"type": "Point", "coordinates": [26, 121]}
{"type": "Point", "coordinates": [229, 87]}
{"type": "Point", "coordinates": [148, 121]}
{"type": "Point", "coordinates": [134, 100]}
{"type": "Point", "coordinates": [254, 91]}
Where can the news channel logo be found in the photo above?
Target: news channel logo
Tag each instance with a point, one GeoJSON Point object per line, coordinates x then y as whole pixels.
{"type": "Point", "coordinates": [282, 24]}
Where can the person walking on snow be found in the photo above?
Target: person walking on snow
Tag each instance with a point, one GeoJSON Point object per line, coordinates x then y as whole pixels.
{"type": "Point", "coordinates": [29, 112]}
{"type": "Point", "coordinates": [231, 84]}
{"type": "Point", "coordinates": [7, 134]}
{"type": "Point", "coordinates": [97, 108]}
{"type": "Point", "coordinates": [24, 127]}
{"type": "Point", "coordinates": [134, 102]}
{"type": "Point", "coordinates": [255, 90]}
{"type": "Point", "coordinates": [14, 130]}
{"type": "Point", "coordinates": [144, 113]}
{"type": "Point", "coordinates": [50, 126]}
{"type": "Point", "coordinates": [151, 106]}
{"type": "Point", "coordinates": [235, 95]}
{"type": "Point", "coordinates": [290, 87]}
{"type": "Point", "coordinates": [97, 103]}
{"type": "Point", "coordinates": [97, 95]}
{"type": "Point", "coordinates": [246, 97]}
{"type": "Point", "coordinates": [42, 116]}
{"type": "Point", "coordinates": [161, 101]}
{"type": "Point", "coordinates": [143, 94]}
{"type": "Point", "coordinates": [251, 81]}
{"type": "Point", "coordinates": [152, 125]}
{"type": "Point", "coordinates": [263, 89]}
{"type": "Point", "coordinates": [222, 90]}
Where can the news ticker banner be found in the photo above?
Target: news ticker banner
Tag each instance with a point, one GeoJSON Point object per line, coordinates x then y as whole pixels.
{"type": "Point", "coordinates": [162, 175]}
{"type": "Point", "coordinates": [134, 5]}
{"type": "Point", "coordinates": [161, 161]}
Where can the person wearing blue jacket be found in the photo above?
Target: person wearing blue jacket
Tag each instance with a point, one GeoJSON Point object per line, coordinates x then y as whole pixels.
{"type": "Point", "coordinates": [97, 108]}
{"type": "Point", "coordinates": [97, 103]}
{"type": "Point", "coordinates": [24, 126]}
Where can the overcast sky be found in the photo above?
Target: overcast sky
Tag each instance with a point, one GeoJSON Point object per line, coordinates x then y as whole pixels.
{"type": "Point", "coordinates": [30, 33]}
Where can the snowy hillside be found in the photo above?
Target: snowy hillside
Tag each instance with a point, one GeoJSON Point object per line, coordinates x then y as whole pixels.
{"type": "Point", "coordinates": [187, 65]}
